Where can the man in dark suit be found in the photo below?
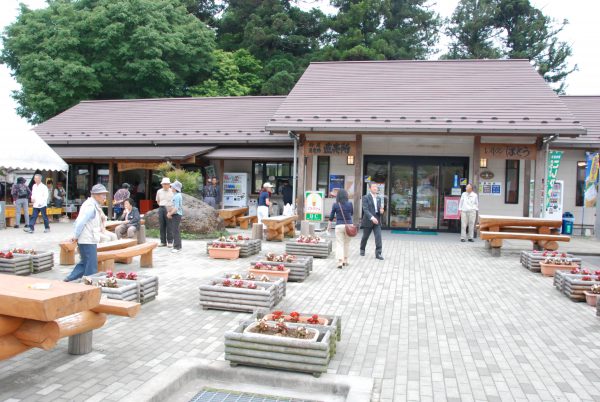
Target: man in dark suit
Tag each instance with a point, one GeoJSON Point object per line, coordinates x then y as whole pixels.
{"type": "Point", "coordinates": [372, 211]}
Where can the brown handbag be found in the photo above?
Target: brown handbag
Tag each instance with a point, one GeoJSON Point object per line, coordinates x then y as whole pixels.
{"type": "Point", "coordinates": [351, 229]}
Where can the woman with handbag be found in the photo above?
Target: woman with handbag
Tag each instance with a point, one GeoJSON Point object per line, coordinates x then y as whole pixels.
{"type": "Point", "coordinates": [344, 229]}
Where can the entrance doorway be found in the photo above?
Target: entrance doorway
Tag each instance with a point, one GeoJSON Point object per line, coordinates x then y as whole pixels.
{"type": "Point", "coordinates": [414, 189]}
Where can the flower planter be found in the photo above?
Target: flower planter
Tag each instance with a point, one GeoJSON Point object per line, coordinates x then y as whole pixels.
{"type": "Point", "coordinates": [247, 247]}
{"type": "Point", "coordinates": [550, 269]}
{"type": "Point", "coordinates": [279, 283]}
{"type": "Point", "coordinates": [41, 261]}
{"type": "Point", "coordinates": [278, 352]}
{"type": "Point", "coordinates": [317, 250]}
{"type": "Point", "coordinates": [299, 269]}
{"type": "Point", "coordinates": [531, 260]}
{"type": "Point", "coordinates": [575, 287]}
{"type": "Point", "coordinates": [303, 319]}
{"type": "Point", "coordinates": [224, 253]}
{"type": "Point", "coordinates": [127, 290]}
{"type": "Point", "coordinates": [591, 298]}
{"type": "Point", "coordinates": [270, 273]}
{"type": "Point", "coordinates": [251, 329]}
{"type": "Point", "coordinates": [18, 265]}
{"type": "Point", "coordinates": [147, 286]}
{"type": "Point", "coordinates": [216, 296]}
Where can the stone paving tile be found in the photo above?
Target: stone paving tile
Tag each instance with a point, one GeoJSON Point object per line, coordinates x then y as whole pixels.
{"type": "Point", "coordinates": [437, 320]}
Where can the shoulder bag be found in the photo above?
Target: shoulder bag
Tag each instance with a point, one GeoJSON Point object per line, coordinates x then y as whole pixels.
{"type": "Point", "coordinates": [351, 229]}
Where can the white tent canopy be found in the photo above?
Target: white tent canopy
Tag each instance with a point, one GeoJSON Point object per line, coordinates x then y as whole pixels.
{"type": "Point", "coordinates": [26, 150]}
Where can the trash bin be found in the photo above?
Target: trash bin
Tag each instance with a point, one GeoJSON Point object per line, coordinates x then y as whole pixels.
{"type": "Point", "coordinates": [567, 223]}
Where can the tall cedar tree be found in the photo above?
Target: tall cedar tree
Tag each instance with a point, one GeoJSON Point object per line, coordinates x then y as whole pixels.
{"type": "Point", "coordinates": [382, 30]}
{"type": "Point", "coordinates": [513, 29]}
{"type": "Point", "coordinates": [104, 49]}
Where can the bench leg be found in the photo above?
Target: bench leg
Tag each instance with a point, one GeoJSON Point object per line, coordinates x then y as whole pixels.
{"type": "Point", "coordinates": [146, 260]}
{"type": "Point", "coordinates": [290, 230]}
{"type": "Point", "coordinates": [108, 265]}
{"type": "Point", "coordinates": [257, 231]}
{"type": "Point", "coordinates": [244, 224]}
{"type": "Point", "coordinates": [495, 251]}
{"type": "Point", "coordinates": [487, 245]}
{"type": "Point", "coordinates": [67, 257]}
{"type": "Point", "coordinates": [127, 260]}
{"type": "Point", "coordinates": [80, 344]}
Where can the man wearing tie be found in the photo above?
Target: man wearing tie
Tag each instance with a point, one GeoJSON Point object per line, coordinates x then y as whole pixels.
{"type": "Point", "coordinates": [372, 212]}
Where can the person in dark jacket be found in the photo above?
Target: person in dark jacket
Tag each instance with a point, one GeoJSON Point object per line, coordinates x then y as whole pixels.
{"type": "Point", "coordinates": [131, 220]}
{"type": "Point", "coordinates": [372, 207]}
{"type": "Point", "coordinates": [342, 212]}
{"type": "Point", "coordinates": [20, 194]}
{"type": "Point", "coordinates": [288, 193]}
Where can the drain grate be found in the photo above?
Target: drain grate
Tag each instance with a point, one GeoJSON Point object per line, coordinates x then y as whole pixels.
{"type": "Point", "coordinates": [224, 395]}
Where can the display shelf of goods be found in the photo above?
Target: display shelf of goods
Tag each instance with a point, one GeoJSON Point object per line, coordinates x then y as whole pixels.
{"type": "Point", "coordinates": [300, 266]}
{"type": "Point", "coordinates": [309, 246]}
{"type": "Point", "coordinates": [248, 247]}
{"type": "Point", "coordinates": [15, 264]}
{"type": "Point", "coordinates": [531, 259]}
{"type": "Point", "coordinates": [239, 295]}
{"type": "Point", "coordinates": [113, 288]}
{"type": "Point", "coordinates": [278, 271]}
{"type": "Point", "coordinates": [147, 284]}
{"type": "Point", "coordinates": [281, 284]}
{"type": "Point", "coordinates": [224, 251]}
{"type": "Point", "coordinates": [550, 265]}
{"type": "Point", "coordinates": [277, 351]}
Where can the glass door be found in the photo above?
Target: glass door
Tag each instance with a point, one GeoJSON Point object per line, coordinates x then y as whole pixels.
{"type": "Point", "coordinates": [401, 196]}
{"type": "Point", "coordinates": [427, 197]}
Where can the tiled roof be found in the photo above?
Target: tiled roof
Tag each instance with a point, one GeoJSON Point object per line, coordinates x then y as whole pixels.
{"type": "Point", "coordinates": [130, 152]}
{"type": "Point", "coordinates": [238, 120]}
{"type": "Point", "coordinates": [251, 153]}
{"type": "Point", "coordinates": [465, 96]}
{"type": "Point", "coordinates": [586, 109]}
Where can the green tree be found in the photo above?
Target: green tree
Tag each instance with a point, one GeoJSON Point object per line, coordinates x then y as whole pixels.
{"type": "Point", "coordinates": [104, 49]}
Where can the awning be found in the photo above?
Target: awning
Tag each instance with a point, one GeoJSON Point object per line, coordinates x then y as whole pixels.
{"type": "Point", "coordinates": [131, 152]}
{"type": "Point", "coordinates": [251, 153]}
{"type": "Point", "coordinates": [26, 150]}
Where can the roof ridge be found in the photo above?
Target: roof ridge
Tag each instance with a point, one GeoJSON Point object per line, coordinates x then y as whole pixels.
{"type": "Point", "coordinates": [421, 61]}
{"type": "Point", "coordinates": [186, 98]}
{"type": "Point", "coordinates": [579, 96]}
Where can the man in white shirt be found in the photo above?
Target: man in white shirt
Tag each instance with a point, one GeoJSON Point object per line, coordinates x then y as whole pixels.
{"type": "Point", "coordinates": [39, 199]}
{"type": "Point", "coordinates": [468, 207]}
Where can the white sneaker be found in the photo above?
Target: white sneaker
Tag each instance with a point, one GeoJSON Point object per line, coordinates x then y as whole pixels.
{"type": "Point", "coordinates": [170, 245]}
{"type": "Point", "coordinates": [176, 250]}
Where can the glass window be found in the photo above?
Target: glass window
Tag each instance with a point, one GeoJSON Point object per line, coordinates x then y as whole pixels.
{"type": "Point", "coordinates": [580, 189]}
{"type": "Point", "coordinates": [257, 180]}
{"type": "Point", "coordinates": [275, 172]}
{"type": "Point", "coordinates": [323, 174]}
{"type": "Point", "coordinates": [511, 196]}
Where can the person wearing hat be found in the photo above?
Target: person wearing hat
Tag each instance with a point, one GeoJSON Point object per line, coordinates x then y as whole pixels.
{"type": "Point", "coordinates": [164, 199]}
{"type": "Point", "coordinates": [264, 202]}
{"type": "Point", "coordinates": [88, 227]}
{"type": "Point", "coordinates": [175, 214]}
{"type": "Point", "coordinates": [20, 194]}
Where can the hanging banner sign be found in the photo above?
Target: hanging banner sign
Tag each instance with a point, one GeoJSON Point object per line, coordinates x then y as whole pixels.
{"type": "Point", "coordinates": [591, 179]}
{"type": "Point", "coordinates": [508, 151]}
{"type": "Point", "coordinates": [553, 164]}
{"type": "Point", "coordinates": [313, 206]}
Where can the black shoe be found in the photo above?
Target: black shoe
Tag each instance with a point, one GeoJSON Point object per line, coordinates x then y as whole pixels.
{"type": "Point", "coordinates": [379, 257]}
{"type": "Point", "coordinates": [463, 240]}
{"type": "Point", "coordinates": [471, 240]}
{"type": "Point", "coordinates": [16, 226]}
{"type": "Point", "coordinates": [362, 253]}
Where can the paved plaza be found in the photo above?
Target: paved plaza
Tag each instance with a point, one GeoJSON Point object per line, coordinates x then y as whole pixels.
{"type": "Point", "coordinates": [437, 320]}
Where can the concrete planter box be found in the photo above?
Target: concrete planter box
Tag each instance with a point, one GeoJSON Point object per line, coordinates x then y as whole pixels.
{"type": "Point", "coordinates": [280, 284]}
{"type": "Point", "coordinates": [277, 352]}
{"type": "Point", "coordinates": [41, 261]}
{"type": "Point", "coordinates": [127, 290]}
{"type": "Point", "coordinates": [147, 286]}
{"type": "Point", "coordinates": [224, 253]}
{"type": "Point", "coordinates": [266, 295]}
{"type": "Point", "coordinates": [319, 250]}
{"type": "Point", "coordinates": [531, 260]}
{"type": "Point", "coordinates": [20, 264]}
{"type": "Point", "coordinates": [574, 287]}
{"type": "Point", "coordinates": [299, 269]}
{"type": "Point", "coordinates": [247, 247]}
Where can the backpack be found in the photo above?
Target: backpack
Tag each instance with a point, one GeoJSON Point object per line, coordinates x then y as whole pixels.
{"type": "Point", "coordinates": [22, 192]}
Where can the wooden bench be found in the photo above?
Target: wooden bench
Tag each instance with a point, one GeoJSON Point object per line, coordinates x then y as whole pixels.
{"type": "Point", "coordinates": [67, 249]}
{"type": "Point", "coordinates": [543, 241]}
{"type": "Point", "coordinates": [231, 215]}
{"type": "Point", "coordinates": [106, 259]}
{"type": "Point", "coordinates": [10, 214]}
{"type": "Point", "coordinates": [279, 227]}
{"type": "Point", "coordinates": [40, 317]}
{"type": "Point", "coordinates": [245, 221]}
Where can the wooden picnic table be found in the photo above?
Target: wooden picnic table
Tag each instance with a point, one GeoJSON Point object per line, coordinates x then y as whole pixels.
{"type": "Point", "coordinates": [32, 317]}
{"type": "Point", "coordinates": [230, 215]}
{"type": "Point", "coordinates": [279, 227]}
{"type": "Point", "coordinates": [543, 232]}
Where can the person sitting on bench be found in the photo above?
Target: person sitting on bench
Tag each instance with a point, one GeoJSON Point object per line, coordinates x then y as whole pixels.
{"type": "Point", "coordinates": [131, 218]}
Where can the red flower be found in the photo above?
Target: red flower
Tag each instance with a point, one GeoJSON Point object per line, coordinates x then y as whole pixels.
{"type": "Point", "coordinates": [585, 271]}
{"type": "Point", "coordinates": [586, 278]}
{"type": "Point", "coordinates": [281, 267]}
{"type": "Point", "coordinates": [226, 283]}
{"type": "Point", "coordinates": [575, 271]}
{"type": "Point", "coordinates": [238, 284]}
{"type": "Point", "coordinates": [121, 275]}
{"type": "Point", "coordinates": [132, 276]}
{"type": "Point", "coordinates": [109, 274]}
{"type": "Point", "coordinates": [277, 314]}
{"type": "Point", "coordinates": [314, 319]}
{"type": "Point", "coordinates": [294, 316]}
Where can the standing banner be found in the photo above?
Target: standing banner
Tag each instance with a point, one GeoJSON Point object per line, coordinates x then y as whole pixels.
{"type": "Point", "coordinates": [553, 164]}
{"type": "Point", "coordinates": [313, 206]}
{"type": "Point", "coordinates": [591, 178]}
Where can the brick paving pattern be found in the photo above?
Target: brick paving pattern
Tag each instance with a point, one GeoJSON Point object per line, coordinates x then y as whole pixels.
{"type": "Point", "coordinates": [437, 320]}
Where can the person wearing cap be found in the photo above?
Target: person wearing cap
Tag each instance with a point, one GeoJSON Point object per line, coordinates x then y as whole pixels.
{"type": "Point", "coordinates": [20, 194]}
{"type": "Point", "coordinates": [88, 227]}
{"type": "Point", "coordinates": [264, 202]}
{"type": "Point", "coordinates": [119, 198]}
{"type": "Point", "coordinates": [164, 199]}
{"type": "Point", "coordinates": [175, 213]}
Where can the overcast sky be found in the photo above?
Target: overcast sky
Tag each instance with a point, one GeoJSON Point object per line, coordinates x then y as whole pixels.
{"type": "Point", "coordinates": [582, 33]}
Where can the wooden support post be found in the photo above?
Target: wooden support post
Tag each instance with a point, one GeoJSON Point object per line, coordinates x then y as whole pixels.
{"type": "Point", "coordinates": [476, 161]}
{"type": "Point", "coordinates": [301, 177]}
{"type": "Point", "coordinates": [146, 260]}
{"type": "Point", "coordinates": [526, 187]}
{"type": "Point", "coordinates": [358, 178]}
{"type": "Point", "coordinates": [540, 179]}
{"type": "Point", "coordinates": [221, 173]}
{"type": "Point", "coordinates": [111, 185]}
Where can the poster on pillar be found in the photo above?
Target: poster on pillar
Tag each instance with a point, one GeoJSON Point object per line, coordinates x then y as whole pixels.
{"type": "Point", "coordinates": [591, 179]}
{"type": "Point", "coordinates": [349, 186]}
{"type": "Point", "coordinates": [336, 182]}
{"type": "Point", "coordinates": [553, 164]}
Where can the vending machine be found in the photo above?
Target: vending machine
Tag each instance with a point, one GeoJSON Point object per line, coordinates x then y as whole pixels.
{"type": "Point", "coordinates": [554, 208]}
{"type": "Point", "coordinates": [235, 190]}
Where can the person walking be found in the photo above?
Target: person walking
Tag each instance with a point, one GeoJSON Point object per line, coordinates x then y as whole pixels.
{"type": "Point", "coordinates": [131, 221]}
{"type": "Point", "coordinates": [342, 212]}
{"type": "Point", "coordinates": [20, 194]}
{"type": "Point", "coordinates": [175, 214]}
{"type": "Point", "coordinates": [119, 198]}
{"type": "Point", "coordinates": [288, 193]}
{"type": "Point", "coordinates": [264, 202]}
{"type": "Point", "coordinates": [87, 233]}
{"type": "Point", "coordinates": [372, 211]}
{"type": "Point", "coordinates": [210, 192]}
{"type": "Point", "coordinates": [467, 208]}
{"type": "Point", "coordinates": [164, 199]}
{"type": "Point", "coordinates": [59, 195]}
{"type": "Point", "coordinates": [39, 199]}
{"type": "Point", "coordinates": [50, 185]}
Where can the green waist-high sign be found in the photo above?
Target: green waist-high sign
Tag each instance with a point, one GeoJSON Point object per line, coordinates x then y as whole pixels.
{"type": "Point", "coordinates": [553, 164]}
{"type": "Point", "coordinates": [313, 206]}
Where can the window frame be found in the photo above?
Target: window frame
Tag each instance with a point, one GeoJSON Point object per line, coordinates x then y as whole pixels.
{"type": "Point", "coordinates": [265, 177]}
{"type": "Point", "coordinates": [319, 159]}
{"type": "Point", "coordinates": [580, 191]}
{"type": "Point", "coordinates": [518, 174]}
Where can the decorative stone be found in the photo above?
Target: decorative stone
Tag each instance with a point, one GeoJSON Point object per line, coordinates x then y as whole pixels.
{"type": "Point", "coordinates": [198, 217]}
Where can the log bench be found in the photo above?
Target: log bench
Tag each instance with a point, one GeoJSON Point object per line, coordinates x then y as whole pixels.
{"type": "Point", "coordinates": [280, 227]}
{"type": "Point", "coordinates": [67, 249]}
{"type": "Point", "coordinates": [106, 259]}
{"type": "Point", "coordinates": [231, 215]}
{"type": "Point", "coordinates": [38, 318]}
{"type": "Point", "coordinates": [544, 241]}
{"type": "Point", "coordinates": [245, 221]}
